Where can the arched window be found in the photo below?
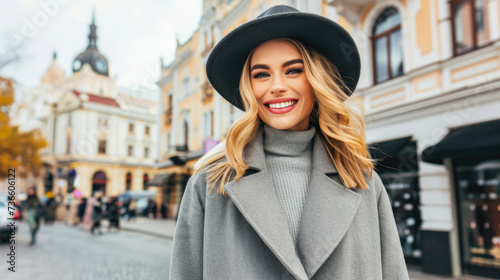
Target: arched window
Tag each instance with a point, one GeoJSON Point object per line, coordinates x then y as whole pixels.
{"type": "Point", "coordinates": [387, 46]}
{"type": "Point", "coordinates": [99, 182]}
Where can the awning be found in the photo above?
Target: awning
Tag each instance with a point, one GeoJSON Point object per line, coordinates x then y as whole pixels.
{"type": "Point", "coordinates": [389, 148]}
{"type": "Point", "coordinates": [159, 179]}
{"type": "Point", "coordinates": [471, 141]}
{"type": "Point", "coordinates": [388, 153]}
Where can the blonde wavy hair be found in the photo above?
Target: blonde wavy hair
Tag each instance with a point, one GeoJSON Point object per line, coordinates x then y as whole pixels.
{"type": "Point", "coordinates": [338, 119]}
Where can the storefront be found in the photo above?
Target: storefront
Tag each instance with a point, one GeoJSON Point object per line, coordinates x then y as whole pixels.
{"type": "Point", "coordinates": [397, 165]}
{"type": "Point", "coordinates": [473, 152]}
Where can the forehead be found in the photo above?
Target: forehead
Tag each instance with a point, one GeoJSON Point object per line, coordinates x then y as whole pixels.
{"type": "Point", "coordinates": [274, 51]}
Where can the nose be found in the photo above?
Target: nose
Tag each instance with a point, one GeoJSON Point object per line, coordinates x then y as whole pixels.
{"type": "Point", "coordinates": [278, 85]}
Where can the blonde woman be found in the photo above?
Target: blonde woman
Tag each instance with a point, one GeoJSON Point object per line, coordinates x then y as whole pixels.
{"type": "Point", "coordinates": [291, 193]}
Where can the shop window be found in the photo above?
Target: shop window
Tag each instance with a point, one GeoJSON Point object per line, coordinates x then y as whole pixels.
{"type": "Point", "coordinates": [478, 192]}
{"type": "Point", "coordinates": [470, 25]}
{"type": "Point", "coordinates": [387, 50]}
{"type": "Point", "coordinates": [397, 166]}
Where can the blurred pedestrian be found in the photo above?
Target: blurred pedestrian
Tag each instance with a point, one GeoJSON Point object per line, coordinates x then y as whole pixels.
{"type": "Point", "coordinates": [97, 215]}
{"type": "Point", "coordinates": [154, 209]}
{"type": "Point", "coordinates": [114, 214]}
{"type": "Point", "coordinates": [50, 208]}
{"type": "Point", "coordinates": [163, 210]}
{"type": "Point", "coordinates": [87, 215]}
{"type": "Point", "coordinates": [72, 218]}
{"type": "Point", "coordinates": [81, 208]}
{"type": "Point", "coordinates": [131, 210]}
{"type": "Point", "coordinates": [33, 206]}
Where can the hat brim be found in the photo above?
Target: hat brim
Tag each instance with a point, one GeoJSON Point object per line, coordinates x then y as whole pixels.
{"type": "Point", "coordinates": [226, 60]}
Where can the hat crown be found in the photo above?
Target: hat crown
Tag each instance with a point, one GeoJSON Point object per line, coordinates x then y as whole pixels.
{"type": "Point", "coordinates": [279, 9]}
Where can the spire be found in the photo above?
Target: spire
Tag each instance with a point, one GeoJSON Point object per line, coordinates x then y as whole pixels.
{"type": "Point", "coordinates": [93, 33]}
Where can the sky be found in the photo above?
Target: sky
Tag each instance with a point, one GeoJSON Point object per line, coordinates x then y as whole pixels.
{"type": "Point", "coordinates": [132, 34]}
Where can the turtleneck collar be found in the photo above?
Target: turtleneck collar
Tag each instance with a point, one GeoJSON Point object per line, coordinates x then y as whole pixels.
{"type": "Point", "coordinates": [287, 142]}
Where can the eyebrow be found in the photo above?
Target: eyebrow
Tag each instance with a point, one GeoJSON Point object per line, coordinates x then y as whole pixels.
{"type": "Point", "coordinates": [285, 64]}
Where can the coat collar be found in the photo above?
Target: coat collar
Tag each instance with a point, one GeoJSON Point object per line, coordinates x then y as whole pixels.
{"type": "Point", "coordinates": [328, 211]}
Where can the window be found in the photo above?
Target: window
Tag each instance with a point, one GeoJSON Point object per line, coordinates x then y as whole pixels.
{"type": "Point", "coordinates": [387, 47]}
{"type": "Point", "coordinates": [146, 152]}
{"type": "Point", "coordinates": [68, 144]}
{"type": "Point", "coordinates": [128, 181]}
{"type": "Point", "coordinates": [130, 150]}
{"type": "Point", "coordinates": [470, 25]}
{"type": "Point", "coordinates": [146, 130]}
{"type": "Point", "coordinates": [131, 128]}
{"type": "Point", "coordinates": [102, 146]}
{"type": "Point", "coordinates": [145, 180]}
{"type": "Point", "coordinates": [208, 127]}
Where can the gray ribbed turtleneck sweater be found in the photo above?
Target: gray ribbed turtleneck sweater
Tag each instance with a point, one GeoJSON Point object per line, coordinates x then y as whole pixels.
{"type": "Point", "coordinates": [288, 156]}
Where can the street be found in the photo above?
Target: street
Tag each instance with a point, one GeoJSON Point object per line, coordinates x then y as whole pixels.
{"type": "Point", "coordinates": [64, 252]}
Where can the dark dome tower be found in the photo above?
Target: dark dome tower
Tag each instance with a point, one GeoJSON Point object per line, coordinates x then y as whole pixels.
{"type": "Point", "coordinates": [91, 55]}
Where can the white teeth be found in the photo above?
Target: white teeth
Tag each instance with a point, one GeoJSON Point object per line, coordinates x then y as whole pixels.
{"type": "Point", "coordinates": [282, 104]}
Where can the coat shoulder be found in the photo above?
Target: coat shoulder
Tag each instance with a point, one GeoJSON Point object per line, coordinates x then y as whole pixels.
{"type": "Point", "coordinates": [374, 183]}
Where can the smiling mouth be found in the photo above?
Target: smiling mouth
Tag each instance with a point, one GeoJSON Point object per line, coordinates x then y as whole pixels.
{"type": "Point", "coordinates": [281, 105]}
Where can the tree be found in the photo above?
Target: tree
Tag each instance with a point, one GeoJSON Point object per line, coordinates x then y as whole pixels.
{"type": "Point", "coordinates": [18, 150]}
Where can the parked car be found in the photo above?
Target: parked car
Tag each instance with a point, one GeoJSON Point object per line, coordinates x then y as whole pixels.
{"type": "Point", "coordinates": [141, 200]}
{"type": "Point", "coordinates": [4, 221]}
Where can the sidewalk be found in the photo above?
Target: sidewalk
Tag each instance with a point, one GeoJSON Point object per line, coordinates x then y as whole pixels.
{"type": "Point", "coordinates": [165, 229]}
{"type": "Point", "coordinates": [156, 227]}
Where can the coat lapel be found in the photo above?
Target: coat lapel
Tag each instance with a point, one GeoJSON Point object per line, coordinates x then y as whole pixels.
{"type": "Point", "coordinates": [257, 200]}
{"type": "Point", "coordinates": [328, 212]}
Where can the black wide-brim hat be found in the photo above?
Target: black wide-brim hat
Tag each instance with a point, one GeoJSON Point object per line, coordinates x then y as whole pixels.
{"type": "Point", "coordinates": [225, 62]}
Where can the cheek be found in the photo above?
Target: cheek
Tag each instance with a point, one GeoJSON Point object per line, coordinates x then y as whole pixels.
{"type": "Point", "coordinates": [258, 90]}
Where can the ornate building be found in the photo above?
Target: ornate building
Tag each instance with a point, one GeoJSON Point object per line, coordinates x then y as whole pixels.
{"type": "Point", "coordinates": [101, 137]}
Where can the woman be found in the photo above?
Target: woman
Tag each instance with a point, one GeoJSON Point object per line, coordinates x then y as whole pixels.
{"type": "Point", "coordinates": [32, 205]}
{"type": "Point", "coordinates": [97, 214]}
{"type": "Point", "coordinates": [72, 217]}
{"type": "Point", "coordinates": [50, 208]}
{"type": "Point", "coordinates": [114, 214]}
{"type": "Point", "coordinates": [291, 193]}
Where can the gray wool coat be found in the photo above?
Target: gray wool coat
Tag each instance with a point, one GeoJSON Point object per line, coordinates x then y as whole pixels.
{"type": "Point", "coordinates": [344, 234]}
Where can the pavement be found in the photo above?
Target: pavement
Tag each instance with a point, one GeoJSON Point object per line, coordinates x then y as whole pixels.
{"type": "Point", "coordinates": [165, 229]}
{"type": "Point", "coordinates": [155, 227]}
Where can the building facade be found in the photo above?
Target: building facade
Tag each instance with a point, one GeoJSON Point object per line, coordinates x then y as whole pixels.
{"type": "Point", "coordinates": [431, 69]}
{"type": "Point", "coordinates": [101, 137]}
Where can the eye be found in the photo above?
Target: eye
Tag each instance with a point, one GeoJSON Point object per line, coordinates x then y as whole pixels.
{"type": "Point", "coordinates": [260, 75]}
{"type": "Point", "coordinates": [295, 71]}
